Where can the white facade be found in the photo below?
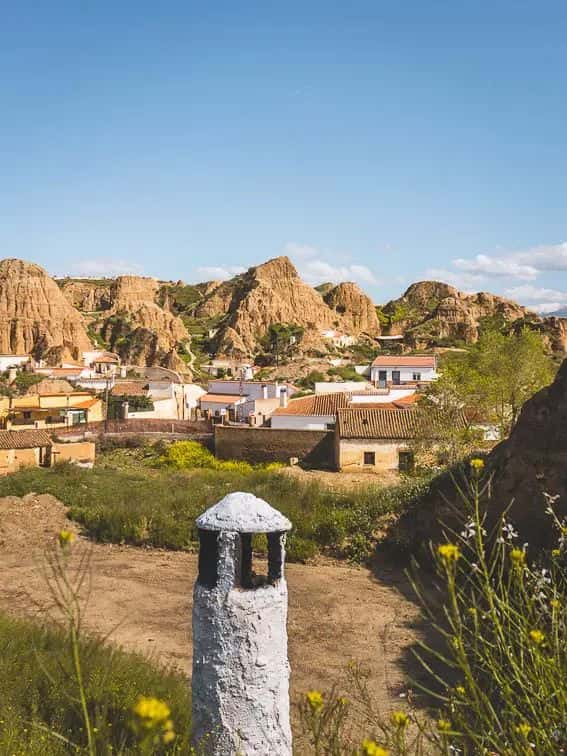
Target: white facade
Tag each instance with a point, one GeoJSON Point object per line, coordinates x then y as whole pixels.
{"type": "Point", "coordinates": [8, 361]}
{"type": "Point", "coordinates": [303, 422]}
{"type": "Point", "coordinates": [402, 373]}
{"type": "Point", "coordinates": [326, 387]}
{"type": "Point", "coordinates": [390, 395]}
{"type": "Point", "coordinates": [250, 389]}
{"type": "Point", "coordinates": [240, 680]}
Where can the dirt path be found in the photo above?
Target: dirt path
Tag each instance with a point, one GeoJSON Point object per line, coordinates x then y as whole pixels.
{"type": "Point", "coordinates": [143, 598]}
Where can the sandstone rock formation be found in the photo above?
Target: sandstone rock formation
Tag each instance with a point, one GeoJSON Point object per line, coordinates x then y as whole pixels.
{"type": "Point", "coordinates": [138, 329]}
{"type": "Point", "coordinates": [430, 313]}
{"type": "Point", "coordinates": [271, 293]}
{"type": "Point", "coordinates": [217, 298]}
{"type": "Point", "coordinates": [355, 310]}
{"type": "Point", "coordinates": [35, 316]}
{"type": "Point", "coordinates": [86, 296]}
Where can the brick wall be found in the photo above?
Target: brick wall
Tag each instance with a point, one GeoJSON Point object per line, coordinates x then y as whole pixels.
{"type": "Point", "coordinates": [314, 448]}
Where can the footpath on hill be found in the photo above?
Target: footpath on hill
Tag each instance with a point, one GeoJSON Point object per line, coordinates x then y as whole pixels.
{"type": "Point", "coordinates": [142, 599]}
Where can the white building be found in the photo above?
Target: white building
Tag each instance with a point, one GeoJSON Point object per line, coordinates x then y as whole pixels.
{"type": "Point", "coordinates": [396, 370]}
{"type": "Point", "coordinates": [244, 400]}
{"type": "Point", "coordinates": [8, 361]}
{"type": "Point", "coordinates": [338, 339]}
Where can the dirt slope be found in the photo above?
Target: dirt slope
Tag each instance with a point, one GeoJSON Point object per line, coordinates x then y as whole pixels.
{"type": "Point", "coordinates": [143, 599]}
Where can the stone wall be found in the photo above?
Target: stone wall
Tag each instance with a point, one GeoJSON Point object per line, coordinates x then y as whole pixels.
{"type": "Point", "coordinates": [314, 448]}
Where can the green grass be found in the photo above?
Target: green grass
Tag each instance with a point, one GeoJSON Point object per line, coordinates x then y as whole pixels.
{"type": "Point", "coordinates": [37, 688]}
{"type": "Point", "coordinates": [126, 498]}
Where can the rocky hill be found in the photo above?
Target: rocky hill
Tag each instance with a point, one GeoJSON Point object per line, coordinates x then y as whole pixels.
{"type": "Point", "coordinates": [35, 317]}
{"type": "Point", "coordinates": [139, 329]}
{"type": "Point", "coordinates": [125, 314]}
{"type": "Point", "coordinates": [431, 313]}
{"type": "Point", "coordinates": [273, 293]}
{"type": "Point", "coordinates": [355, 310]}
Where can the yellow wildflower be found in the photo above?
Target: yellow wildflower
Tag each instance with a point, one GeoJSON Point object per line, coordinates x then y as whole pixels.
{"type": "Point", "coordinates": [315, 700]}
{"type": "Point", "coordinates": [524, 729]}
{"type": "Point", "coordinates": [443, 725]}
{"type": "Point", "coordinates": [399, 718]}
{"type": "Point", "coordinates": [460, 690]}
{"type": "Point", "coordinates": [448, 552]}
{"type": "Point", "coordinates": [556, 552]}
{"type": "Point", "coordinates": [66, 538]}
{"type": "Point", "coordinates": [518, 557]}
{"type": "Point", "coordinates": [371, 748]}
{"type": "Point", "coordinates": [151, 712]}
{"type": "Point", "coordinates": [555, 603]}
{"type": "Point", "coordinates": [477, 464]}
{"type": "Point", "coordinates": [537, 637]}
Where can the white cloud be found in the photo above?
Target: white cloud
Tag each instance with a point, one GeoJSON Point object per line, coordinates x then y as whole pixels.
{"type": "Point", "coordinates": [496, 266]}
{"type": "Point", "coordinates": [219, 272]}
{"type": "Point", "coordinates": [544, 308]}
{"type": "Point", "coordinates": [104, 268]}
{"type": "Point", "coordinates": [538, 298]}
{"type": "Point", "coordinates": [529, 293]}
{"type": "Point", "coordinates": [523, 265]}
{"type": "Point", "coordinates": [545, 257]}
{"type": "Point", "coordinates": [314, 270]}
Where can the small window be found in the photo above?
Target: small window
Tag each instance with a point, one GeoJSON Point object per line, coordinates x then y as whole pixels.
{"type": "Point", "coordinates": [27, 415]}
{"type": "Point", "coordinates": [369, 458]}
{"type": "Point", "coordinates": [417, 376]}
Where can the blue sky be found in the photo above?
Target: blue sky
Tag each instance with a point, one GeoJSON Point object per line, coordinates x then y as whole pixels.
{"type": "Point", "coordinates": [376, 141]}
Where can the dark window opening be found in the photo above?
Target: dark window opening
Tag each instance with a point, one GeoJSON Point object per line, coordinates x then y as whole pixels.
{"type": "Point", "coordinates": [250, 577]}
{"type": "Point", "coordinates": [369, 458]}
{"type": "Point", "coordinates": [208, 558]}
{"type": "Point", "coordinates": [406, 461]}
{"type": "Point", "coordinates": [417, 376]}
{"type": "Point", "coordinates": [396, 377]}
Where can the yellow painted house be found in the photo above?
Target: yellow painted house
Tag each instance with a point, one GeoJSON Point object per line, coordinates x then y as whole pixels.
{"type": "Point", "coordinates": [50, 410]}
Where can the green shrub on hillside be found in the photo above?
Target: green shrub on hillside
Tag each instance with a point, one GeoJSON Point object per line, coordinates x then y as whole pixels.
{"type": "Point", "coordinates": [159, 507]}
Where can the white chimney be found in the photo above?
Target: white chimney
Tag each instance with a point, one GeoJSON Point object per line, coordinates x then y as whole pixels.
{"type": "Point", "coordinates": [240, 682]}
{"type": "Point", "coordinates": [283, 396]}
{"type": "Point", "coordinates": [264, 391]}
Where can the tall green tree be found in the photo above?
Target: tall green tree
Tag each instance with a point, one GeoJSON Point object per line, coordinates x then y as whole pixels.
{"type": "Point", "coordinates": [494, 378]}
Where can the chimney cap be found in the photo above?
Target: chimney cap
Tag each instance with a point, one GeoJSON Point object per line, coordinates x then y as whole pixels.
{"type": "Point", "coordinates": [242, 512]}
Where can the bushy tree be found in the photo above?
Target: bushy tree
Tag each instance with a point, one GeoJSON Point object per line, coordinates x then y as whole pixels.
{"type": "Point", "coordinates": [492, 380]}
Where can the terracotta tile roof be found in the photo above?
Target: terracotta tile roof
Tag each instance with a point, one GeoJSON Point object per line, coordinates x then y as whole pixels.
{"type": "Point", "coordinates": [106, 359]}
{"type": "Point", "coordinates": [85, 405]}
{"type": "Point", "coordinates": [221, 398]}
{"type": "Point", "coordinates": [24, 439]}
{"type": "Point", "coordinates": [129, 388]}
{"type": "Point", "coordinates": [383, 423]}
{"type": "Point", "coordinates": [317, 405]}
{"type": "Point", "coordinates": [418, 360]}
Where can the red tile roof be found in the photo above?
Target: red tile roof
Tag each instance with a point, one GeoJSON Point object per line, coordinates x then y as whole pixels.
{"type": "Point", "coordinates": [385, 423]}
{"type": "Point", "coordinates": [221, 398]}
{"type": "Point", "coordinates": [24, 439]}
{"type": "Point", "coordinates": [129, 388]}
{"type": "Point", "coordinates": [418, 360]}
{"type": "Point", "coordinates": [316, 405]}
